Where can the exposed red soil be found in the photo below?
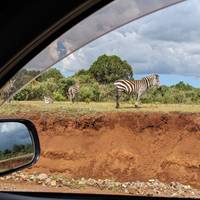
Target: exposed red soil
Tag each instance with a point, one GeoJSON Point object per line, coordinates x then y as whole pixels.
{"type": "Point", "coordinates": [120, 146]}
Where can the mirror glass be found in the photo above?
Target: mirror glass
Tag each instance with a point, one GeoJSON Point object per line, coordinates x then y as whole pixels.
{"type": "Point", "coordinates": [16, 146]}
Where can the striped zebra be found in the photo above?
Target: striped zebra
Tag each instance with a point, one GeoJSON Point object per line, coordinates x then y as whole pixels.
{"type": "Point", "coordinates": [135, 87]}
{"type": "Point", "coordinates": [73, 91]}
{"type": "Point", "coordinates": [48, 100]}
{"type": "Point", "coordinates": [7, 90]}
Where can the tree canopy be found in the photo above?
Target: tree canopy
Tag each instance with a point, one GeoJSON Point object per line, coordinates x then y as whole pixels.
{"type": "Point", "coordinates": [52, 73]}
{"type": "Point", "coordinates": [107, 69]}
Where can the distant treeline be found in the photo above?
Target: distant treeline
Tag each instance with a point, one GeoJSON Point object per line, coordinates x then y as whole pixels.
{"type": "Point", "coordinates": [16, 150]}
{"type": "Point", "coordinates": [96, 84]}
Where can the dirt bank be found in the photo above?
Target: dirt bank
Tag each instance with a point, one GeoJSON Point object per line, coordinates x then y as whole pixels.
{"type": "Point", "coordinates": [121, 146]}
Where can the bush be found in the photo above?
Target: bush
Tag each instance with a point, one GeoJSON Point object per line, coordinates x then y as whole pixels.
{"type": "Point", "coordinates": [86, 94]}
{"type": "Point", "coordinates": [182, 86]}
{"type": "Point", "coordinates": [85, 79]}
{"type": "Point", "coordinates": [23, 94]}
{"type": "Point", "coordinates": [58, 97]}
{"type": "Point", "coordinates": [64, 84]}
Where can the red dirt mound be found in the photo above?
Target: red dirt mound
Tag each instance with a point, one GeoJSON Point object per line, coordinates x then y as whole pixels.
{"type": "Point", "coordinates": [121, 146]}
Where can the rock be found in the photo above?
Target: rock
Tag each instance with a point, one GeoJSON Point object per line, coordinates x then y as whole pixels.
{"type": "Point", "coordinates": [48, 181]}
{"type": "Point", "coordinates": [187, 187]}
{"type": "Point", "coordinates": [124, 185]}
{"type": "Point", "coordinates": [32, 177]}
{"type": "Point", "coordinates": [91, 182]}
{"type": "Point", "coordinates": [42, 176]}
{"type": "Point", "coordinates": [67, 183]}
{"type": "Point", "coordinates": [82, 181]}
{"type": "Point", "coordinates": [23, 177]}
{"type": "Point", "coordinates": [53, 183]}
{"type": "Point", "coordinates": [126, 191]}
{"type": "Point", "coordinates": [117, 184]}
{"type": "Point", "coordinates": [100, 181]}
{"type": "Point", "coordinates": [8, 177]}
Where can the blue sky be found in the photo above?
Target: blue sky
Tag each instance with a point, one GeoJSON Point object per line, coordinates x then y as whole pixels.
{"type": "Point", "coordinates": [172, 79]}
{"type": "Point", "coordinates": [166, 42]}
{"type": "Point", "coordinates": [165, 79]}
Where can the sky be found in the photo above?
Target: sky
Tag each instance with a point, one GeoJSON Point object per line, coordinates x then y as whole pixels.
{"type": "Point", "coordinates": [166, 42]}
{"type": "Point", "coordinates": [13, 133]}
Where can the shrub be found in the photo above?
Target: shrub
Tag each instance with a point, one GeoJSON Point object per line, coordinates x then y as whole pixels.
{"type": "Point", "coordinates": [64, 84]}
{"type": "Point", "coordinates": [86, 93]}
{"type": "Point", "coordinates": [58, 97]}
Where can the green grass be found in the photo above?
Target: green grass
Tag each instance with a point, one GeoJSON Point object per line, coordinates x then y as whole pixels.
{"type": "Point", "coordinates": [81, 108]}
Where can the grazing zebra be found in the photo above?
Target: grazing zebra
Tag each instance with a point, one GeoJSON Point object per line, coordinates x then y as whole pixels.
{"type": "Point", "coordinates": [48, 100]}
{"type": "Point", "coordinates": [137, 87]}
{"type": "Point", "coordinates": [7, 90]}
{"type": "Point", "coordinates": [73, 91]}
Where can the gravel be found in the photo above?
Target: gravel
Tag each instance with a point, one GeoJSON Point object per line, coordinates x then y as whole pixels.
{"type": "Point", "coordinates": [152, 187]}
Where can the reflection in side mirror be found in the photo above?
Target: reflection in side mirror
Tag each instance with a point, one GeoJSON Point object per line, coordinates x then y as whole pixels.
{"type": "Point", "coordinates": [19, 145]}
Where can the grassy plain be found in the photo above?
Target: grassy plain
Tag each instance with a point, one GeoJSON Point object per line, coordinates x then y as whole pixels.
{"type": "Point", "coordinates": [82, 108]}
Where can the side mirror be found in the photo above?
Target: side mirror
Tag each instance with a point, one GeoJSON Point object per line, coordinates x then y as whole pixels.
{"type": "Point", "coordinates": [19, 145]}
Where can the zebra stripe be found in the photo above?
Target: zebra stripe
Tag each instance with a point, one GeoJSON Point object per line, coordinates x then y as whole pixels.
{"type": "Point", "coordinates": [73, 91]}
{"type": "Point", "coordinates": [138, 87]}
{"type": "Point", "coordinates": [7, 90]}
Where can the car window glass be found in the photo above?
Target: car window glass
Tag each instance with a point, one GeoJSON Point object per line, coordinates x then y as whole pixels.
{"type": "Point", "coordinates": [105, 20]}
{"type": "Point", "coordinates": [121, 114]}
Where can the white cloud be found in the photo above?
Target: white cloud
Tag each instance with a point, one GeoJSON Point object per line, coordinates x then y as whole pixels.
{"type": "Point", "coordinates": [166, 42]}
{"type": "Point", "coordinates": [53, 52]}
{"type": "Point", "coordinates": [13, 133]}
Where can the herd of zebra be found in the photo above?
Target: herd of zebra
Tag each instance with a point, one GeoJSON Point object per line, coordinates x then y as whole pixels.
{"type": "Point", "coordinates": [131, 87]}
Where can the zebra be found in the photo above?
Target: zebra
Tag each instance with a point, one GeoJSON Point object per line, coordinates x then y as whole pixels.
{"type": "Point", "coordinates": [136, 87]}
{"type": "Point", "coordinates": [73, 91]}
{"type": "Point", "coordinates": [7, 90]}
{"type": "Point", "coordinates": [48, 100]}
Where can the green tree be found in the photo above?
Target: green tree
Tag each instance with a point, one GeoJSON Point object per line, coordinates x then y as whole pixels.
{"type": "Point", "coordinates": [53, 73]}
{"type": "Point", "coordinates": [183, 86]}
{"type": "Point", "coordinates": [7, 151]}
{"type": "Point", "coordinates": [82, 72]}
{"type": "Point", "coordinates": [27, 76]}
{"type": "Point", "coordinates": [107, 69]}
{"type": "Point", "coordinates": [16, 148]}
{"type": "Point", "coordinates": [1, 155]}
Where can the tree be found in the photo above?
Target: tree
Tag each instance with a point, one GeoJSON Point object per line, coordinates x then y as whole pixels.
{"type": "Point", "coordinates": [27, 76]}
{"type": "Point", "coordinates": [7, 151]}
{"type": "Point", "coordinates": [107, 69]}
{"type": "Point", "coordinates": [16, 148]}
{"type": "Point", "coordinates": [51, 73]}
{"type": "Point", "coordinates": [183, 86]}
{"type": "Point", "coordinates": [82, 72]}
